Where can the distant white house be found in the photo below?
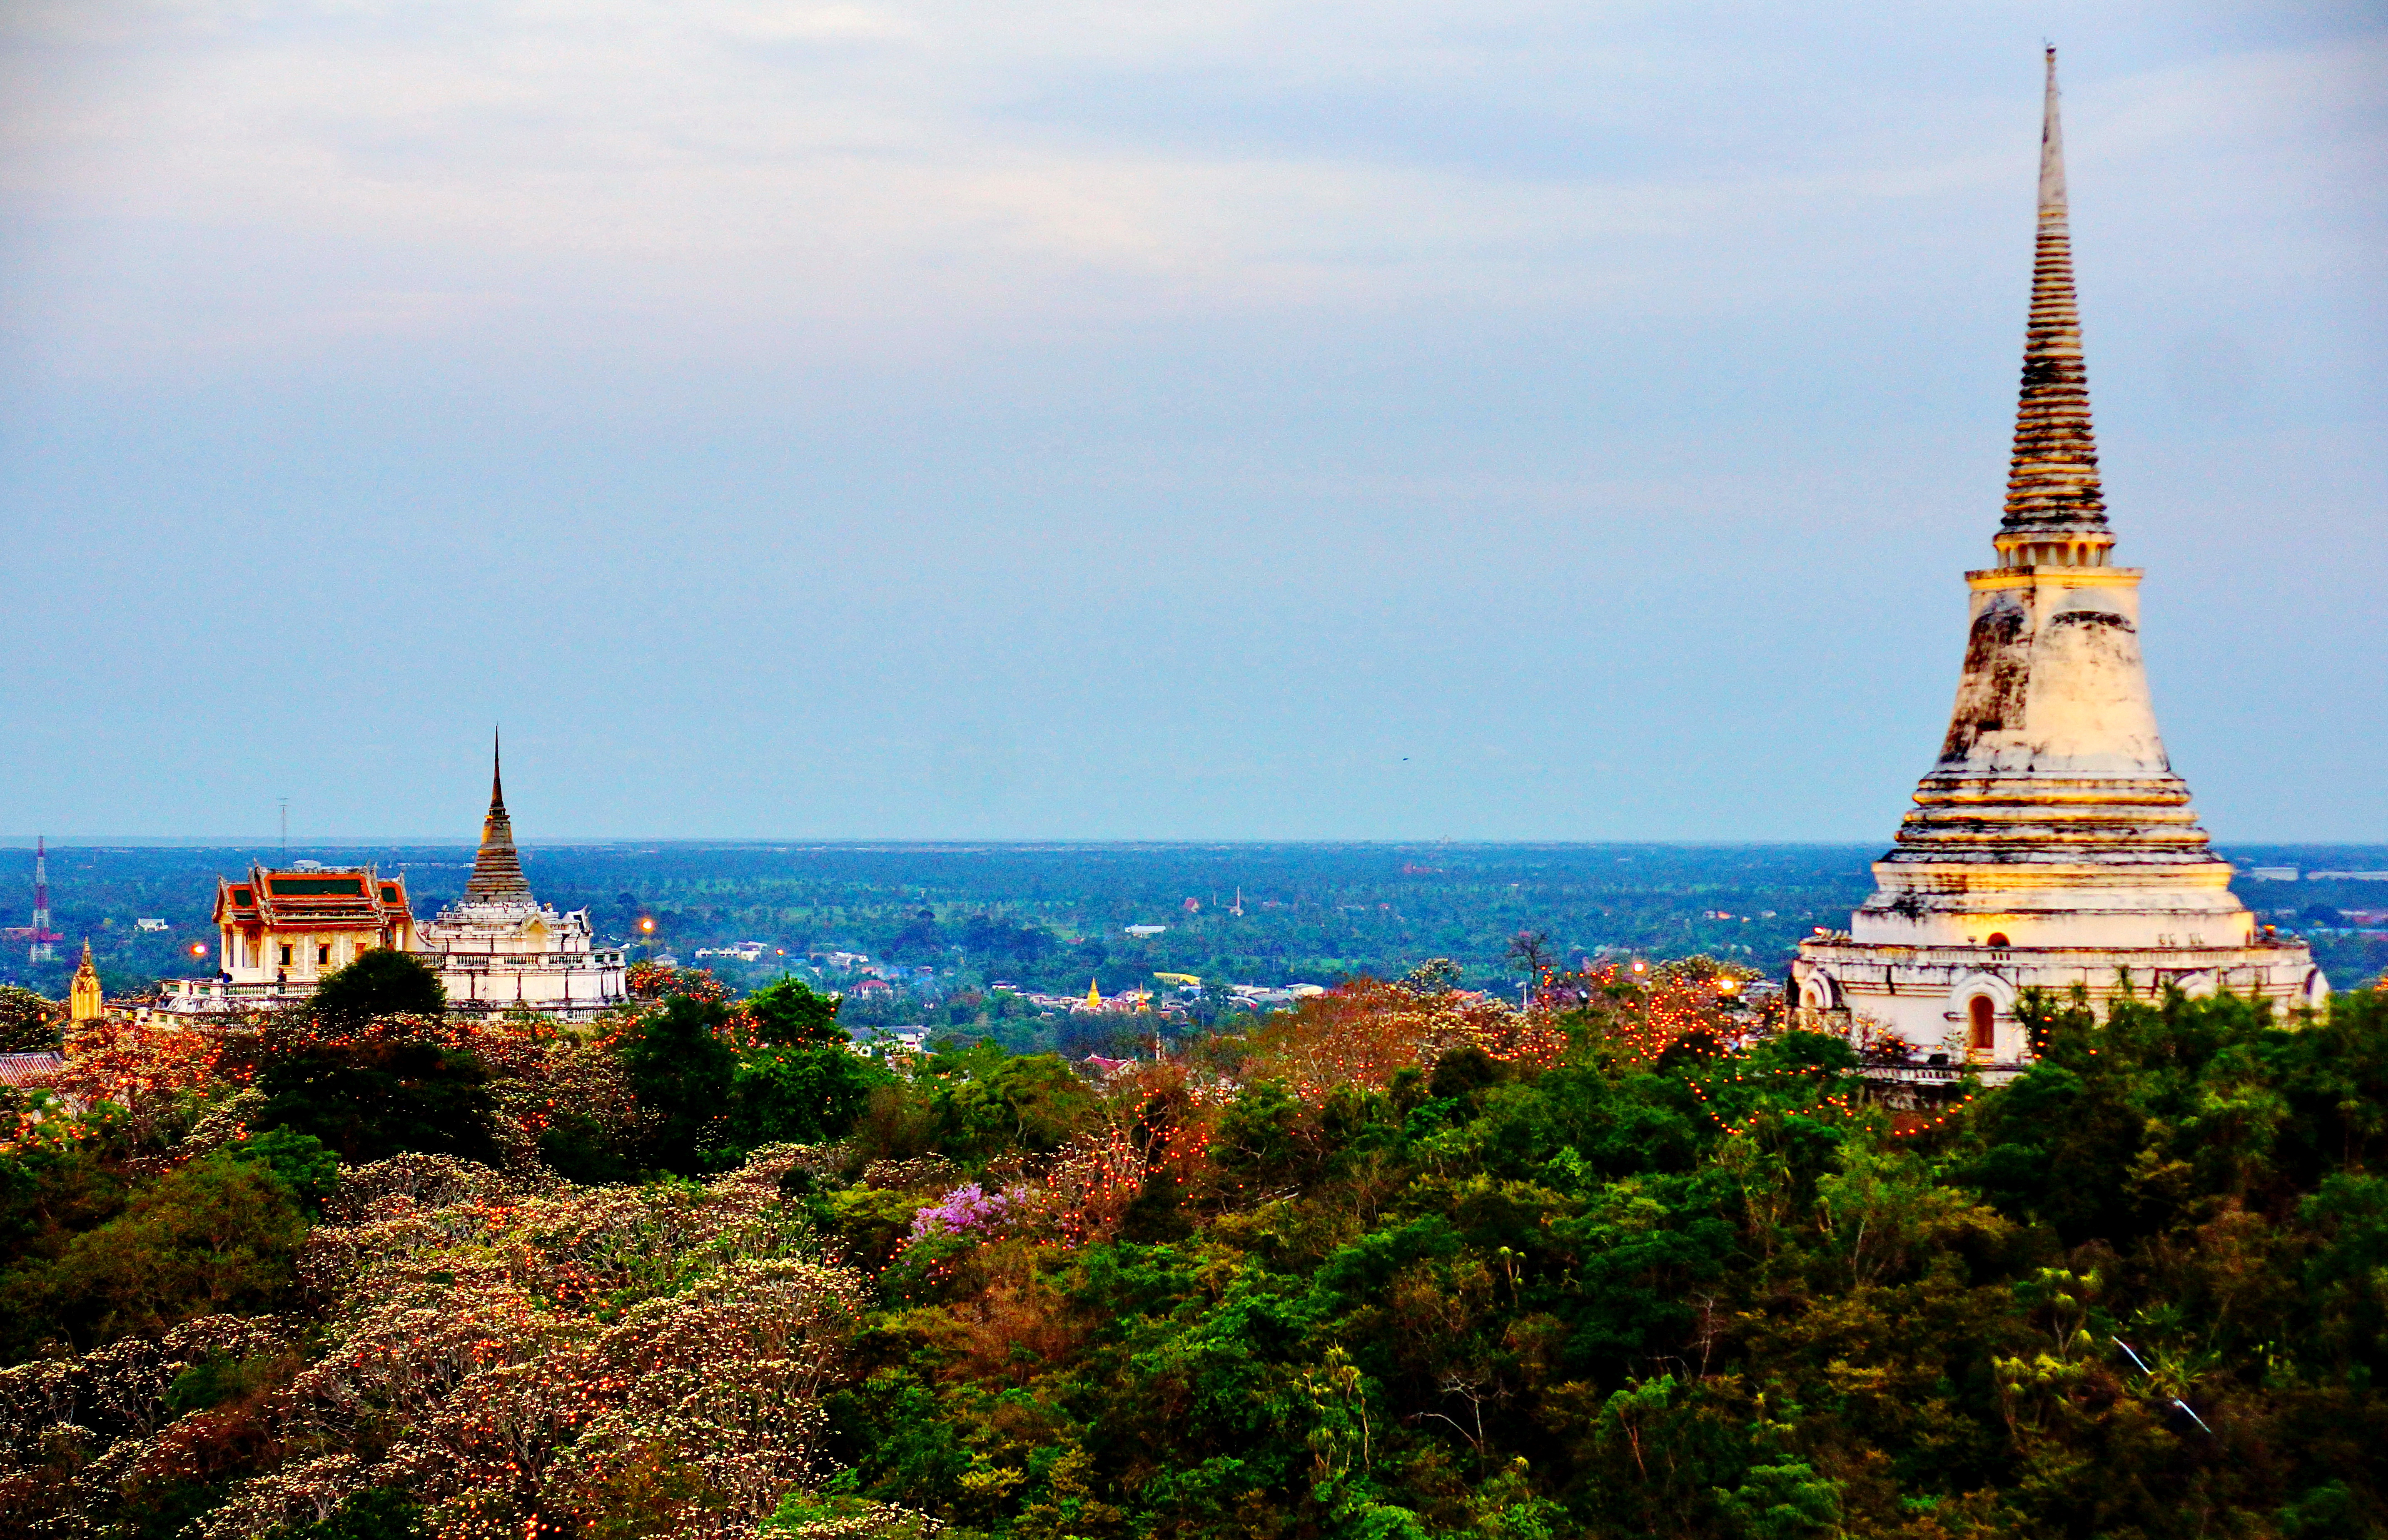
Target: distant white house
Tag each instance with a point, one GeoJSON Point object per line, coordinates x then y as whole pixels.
{"type": "Point", "coordinates": [1142, 930]}
{"type": "Point", "coordinates": [2274, 873]}
{"type": "Point", "coordinates": [893, 1040]}
{"type": "Point", "coordinates": [151, 926]}
{"type": "Point", "coordinates": [1258, 994]}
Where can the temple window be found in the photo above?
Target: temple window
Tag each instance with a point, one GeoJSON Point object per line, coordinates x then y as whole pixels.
{"type": "Point", "coordinates": [1999, 938]}
{"type": "Point", "coordinates": [285, 955]}
{"type": "Point", "coordinates": [1982, 1019]}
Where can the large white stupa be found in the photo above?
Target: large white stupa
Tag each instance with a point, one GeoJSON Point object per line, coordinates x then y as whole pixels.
{"type": "Point", "coordinates": [498, 949]}
{"type": "Point", "coordinates": [2051, 845]}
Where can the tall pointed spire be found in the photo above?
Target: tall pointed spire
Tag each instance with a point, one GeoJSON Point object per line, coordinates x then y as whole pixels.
{"type": "Point", "coordinates": [2051, 846]}
{"type": "Point", "coordinates": [497, 871]}
{"type": "Point", "coordinates": [2052, 492]}
{"type": "Point", "coordinates": [84, 1003]}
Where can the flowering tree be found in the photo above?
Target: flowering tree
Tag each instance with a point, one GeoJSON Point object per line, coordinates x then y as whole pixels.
{"type": "Point", "coordinates": [1362, 1034]}
{"type": "Point", "coordinates": [508, 1092]}
{"type": "Point", "coordinates": [1640, 1012]}
{"type": "Point", "coordinates": [28, 1022]}
{"type": "Point", "coordinates": [524, 1355]}
{"type": "Point", "coordinates": [968, 1210]}
{"type": "Point", "coordinates": [651, 981]}
{"type": "Point", "coordinates": [1092, 1183]}
{"type": "Point", "coordinates": [149, 1077]}
{"type": "Point", "coordinates": [75, 1432]}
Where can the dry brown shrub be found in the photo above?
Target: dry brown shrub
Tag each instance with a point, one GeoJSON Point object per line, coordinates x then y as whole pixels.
{"type": "Point", "coordinates": [1016, 1326]}
{"type": "Point", "coordinates": [1364, 1033]}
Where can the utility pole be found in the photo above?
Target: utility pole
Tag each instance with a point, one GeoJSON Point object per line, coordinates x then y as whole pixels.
{"type": "Point", "coordinates": [285, 828]}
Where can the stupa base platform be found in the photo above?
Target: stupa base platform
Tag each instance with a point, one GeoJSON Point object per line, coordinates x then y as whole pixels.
{"type": "Point", "coordinates": [1927, 997]}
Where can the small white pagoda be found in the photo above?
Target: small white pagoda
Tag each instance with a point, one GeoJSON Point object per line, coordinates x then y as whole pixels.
{"type": "Point", "coordinates": [498, 949]}
{"type": "Point", "coordinates": [2051, 845]}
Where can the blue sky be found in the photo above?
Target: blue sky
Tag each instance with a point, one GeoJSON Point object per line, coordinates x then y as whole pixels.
{"type": "Point", "coordinates": [1086, 420]}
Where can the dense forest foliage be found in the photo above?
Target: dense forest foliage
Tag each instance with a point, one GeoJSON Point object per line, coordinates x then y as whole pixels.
{"type": "Point", "coordinates": [1402, 1262]}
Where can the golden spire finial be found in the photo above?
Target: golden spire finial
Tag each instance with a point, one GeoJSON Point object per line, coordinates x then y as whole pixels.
{"type": "Point", "coordinates": [84, 1003]}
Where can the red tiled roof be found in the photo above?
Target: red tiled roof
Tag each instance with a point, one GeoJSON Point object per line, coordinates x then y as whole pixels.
{"type": "Point", "coordinates": [31, 1069]}
{"type": "Point", "coordinates": [352, 899]}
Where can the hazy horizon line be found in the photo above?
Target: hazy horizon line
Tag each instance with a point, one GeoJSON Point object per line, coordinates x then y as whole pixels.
{"type": "Point", "coordinates": [358, 842]}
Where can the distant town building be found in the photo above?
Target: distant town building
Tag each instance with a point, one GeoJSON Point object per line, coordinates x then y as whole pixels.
{"type": "Point", "coordinates": [2051, 845]}
{"type": "Point", "coordinates": [499, 949]}
{"type": "Point", "coordinates": [1140, 932]}
{"type": "Point", "coordinates": [151, 926]}
{"type": "Point", "coordinates": [2273, 873]}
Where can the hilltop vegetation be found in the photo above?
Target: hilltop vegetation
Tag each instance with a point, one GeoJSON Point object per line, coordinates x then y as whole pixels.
{"type": "Point", "coordinates": [1402, 1262]}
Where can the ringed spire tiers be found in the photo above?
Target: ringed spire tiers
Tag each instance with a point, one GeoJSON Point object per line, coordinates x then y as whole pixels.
{"type": "Point", "coordinates": [497, 869]}
{"type": "Point", "coordinates": [2052, 489]}
{"type": "Point", "coordinates": [2051, 844]}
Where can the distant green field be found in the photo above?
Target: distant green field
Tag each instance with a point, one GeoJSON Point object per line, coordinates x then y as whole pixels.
{"type": "Point", "coordinates": [1052, 917]}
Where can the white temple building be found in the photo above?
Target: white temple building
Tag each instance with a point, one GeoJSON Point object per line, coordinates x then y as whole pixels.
{"type": "Point", "coordinates": [498, 949]}
{"type": "Point", "coordinates": [2051, 845]}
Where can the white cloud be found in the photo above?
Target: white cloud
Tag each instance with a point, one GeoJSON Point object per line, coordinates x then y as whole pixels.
{"type": "Point", "coordinates": [853, 160]}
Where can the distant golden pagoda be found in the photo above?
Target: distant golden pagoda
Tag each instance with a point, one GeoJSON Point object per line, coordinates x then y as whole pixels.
{"type": "Point", "coordinates": [1094, 997]}
{"type": "Point", "coordinates": [84, 1003]}
{"type": "Point", "coordinates": [2051, 845]}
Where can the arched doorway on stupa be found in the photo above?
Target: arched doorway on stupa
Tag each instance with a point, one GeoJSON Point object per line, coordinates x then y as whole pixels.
{"type": "Point", "coordinates": [1982, 1025]}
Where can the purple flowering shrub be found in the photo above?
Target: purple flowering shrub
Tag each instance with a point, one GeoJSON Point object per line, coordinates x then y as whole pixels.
{"type": "Point", "coordinates": [947, 1230]}
{"type": "Point", "coordinates": [968, 1210]}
